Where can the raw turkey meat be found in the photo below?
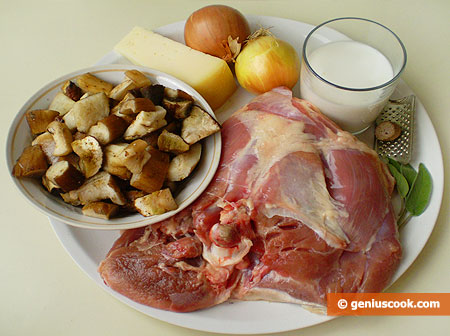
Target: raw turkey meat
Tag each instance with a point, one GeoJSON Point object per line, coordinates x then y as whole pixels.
{"type": "Point", "coordinates": [298, 208]}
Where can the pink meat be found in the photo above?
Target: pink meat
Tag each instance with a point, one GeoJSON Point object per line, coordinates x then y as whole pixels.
{"type": "Point", "coordinates": [298, 208]}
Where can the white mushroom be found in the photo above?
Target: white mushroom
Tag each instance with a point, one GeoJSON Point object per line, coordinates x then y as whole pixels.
{"type": "Point", "coordinates": [155, 203]}
{"type": "Point", "coordinates": [62, 136]}
{"type": "Point", "coordinates": [108, 129]}
{"type": "Point", "coordinates": [100, 187]}
{"type": "Point", "coordinates": [65, 176]}
{"type": "Point", "coordinates": [90, 153]}
{"type": "Point", "coordinates": [146, 122]}
{"type": "Point", "coordinates": [100, 210]}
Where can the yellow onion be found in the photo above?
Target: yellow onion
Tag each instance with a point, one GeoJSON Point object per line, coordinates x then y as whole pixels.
{"type": "Point", "coordinates": [265, 63]}
{"type": "Point", "coordinates": [217, 30]}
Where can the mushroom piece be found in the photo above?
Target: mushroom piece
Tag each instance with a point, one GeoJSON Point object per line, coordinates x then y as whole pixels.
{"type": "Point", "coordinates": [177, 103]}
{"type": "Point", "coordinates": [198, 125]}
{"type": "Point", "coordinates": [31, 163]}
{"type": "Point", "coordinates": [62, 136]}
{"type": "Point", "coordinates": [90, 83]}
{"type": "Point", "coordinates": [131, 196]}
{"type": "Point", "coordinates": [136, 105]}
{"type": "Point", "coordinates": [135, 156]}
{"type": "Point", "coordinates": [177, 94]}
{"type": "Point", "coordinates": [120, 90]}
{"type": "Point", "coordinates": [170, 142]}
{"type": "Point", "coordinates": [61, 103]}
{"type": "Point", "coordinates": [100, 210]}
{"type": "Point", "coordinates": [116, 109]}
{"type": "Point", "coordinates": [139, 79]}
{"type": "Point", "coordinates": [71, 90]}
{"type": "Point", "coordinates": [48, 144]}
{"type": "Point", "coordinates": [87, 112]}
{"type": "Point", "coordinates": [146, 122]}
{"type": "Point", "coordinates": [114, 161]}
{"type": "Point", "coordinates": [154, 172]}
{"type": "Point", "coordinates": [38, 120]}
{"type": "Point", "coordinates": [102, 186]}
{"type": "Point", "coordinates": [155, 203]}
{"type": "Point", "coordinates": [183, 164]}
{"type": "Point", "coordinates": [71, 197]}
{"type": "Point", "coordinates": [65, 176]}
{"type": "Point", "coordinates": [179, 109]}
{"type": "Point", "coordinates": [90, 153]}
{"type": "Point", "coordinates": [50, 186]}
{"type": "Point", "coordinates": [153, 92]}
{"type": "Point", "coordinates": [108, 129]}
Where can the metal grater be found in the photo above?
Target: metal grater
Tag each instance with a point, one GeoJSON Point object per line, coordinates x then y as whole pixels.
{"type": "Point", "coordinates": [401, 112]}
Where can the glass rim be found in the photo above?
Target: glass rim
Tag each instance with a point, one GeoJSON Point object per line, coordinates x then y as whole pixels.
{"type": "Point", "coordinates": [380, 86]}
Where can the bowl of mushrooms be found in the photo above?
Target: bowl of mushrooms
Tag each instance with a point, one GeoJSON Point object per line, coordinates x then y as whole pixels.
{"type": "Point", "coordinates": [113, 147]}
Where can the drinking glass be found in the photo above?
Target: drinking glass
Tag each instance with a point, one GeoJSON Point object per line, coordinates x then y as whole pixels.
{"type": "Point", "coordinates": [350, 68]}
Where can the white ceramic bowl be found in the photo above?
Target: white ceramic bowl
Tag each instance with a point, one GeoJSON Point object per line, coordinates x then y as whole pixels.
{"type": "Point", "coordinates": [19, 137]}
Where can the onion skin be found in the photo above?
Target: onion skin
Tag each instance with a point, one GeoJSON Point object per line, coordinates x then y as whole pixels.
{"type": "Point", "coordinates": [208, 28]}
{"type": "Point", "coordinates": [265, 63]}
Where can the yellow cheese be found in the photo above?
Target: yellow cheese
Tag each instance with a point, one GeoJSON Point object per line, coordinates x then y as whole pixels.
{"type": "Point", "coordinates": [209, 75]}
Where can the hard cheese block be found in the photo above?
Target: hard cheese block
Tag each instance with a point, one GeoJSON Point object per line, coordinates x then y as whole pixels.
{"type": "Point", "coordinates": [209, 75]}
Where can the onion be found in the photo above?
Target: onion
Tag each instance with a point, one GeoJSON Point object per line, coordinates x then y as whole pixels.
{"type": "Point", "coordinates": [267, 62]}
{"type": "Point", "coordinates": [216, 30]}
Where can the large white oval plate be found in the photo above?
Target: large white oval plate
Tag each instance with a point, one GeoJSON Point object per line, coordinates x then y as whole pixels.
{"type": "Point", "coordinates": [88, 248]}
{"type": "Point", "coordinates": [19, 137]}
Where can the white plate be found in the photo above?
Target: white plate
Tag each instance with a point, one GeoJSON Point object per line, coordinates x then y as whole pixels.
{"type": "Point", "coordinates": [19, 137]}
{"type": "Point", "coordinates": [88, 248]}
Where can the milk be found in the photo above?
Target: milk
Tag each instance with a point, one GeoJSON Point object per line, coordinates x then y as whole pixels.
{"type": "Point", "coordinates": [349, 64]}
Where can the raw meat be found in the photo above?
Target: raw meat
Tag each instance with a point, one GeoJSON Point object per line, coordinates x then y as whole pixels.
{"type": "Point", "coordinates": [297, 208]}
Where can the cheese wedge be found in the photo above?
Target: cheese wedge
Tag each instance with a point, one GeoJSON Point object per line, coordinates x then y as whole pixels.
{"type": "Point", "coordinates": [209, 75]}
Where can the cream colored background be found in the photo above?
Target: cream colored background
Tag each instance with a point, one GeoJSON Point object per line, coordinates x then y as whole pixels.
{"type": "Point", "coordinates": [43, 292]}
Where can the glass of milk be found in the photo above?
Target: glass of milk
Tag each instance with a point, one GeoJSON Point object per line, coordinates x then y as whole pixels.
{"type": "Point", "coordinates": [349, 70]}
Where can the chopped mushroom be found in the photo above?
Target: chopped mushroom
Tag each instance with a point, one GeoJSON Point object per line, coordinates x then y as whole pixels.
{"type": "Point", "coordinates": [146, 122]}
{"type": "Point", "coordinates": [108, 129]}
{"type": "Point", "coordinates": [50, 186]}
{"type": "Point", "coordinates": [153, 92]}
{"type": "Point", "coordinates": [177, 103]}
{"type": "Point", "coordinates": [38, 120]}
{"type": "Point", "coordinates": [198, 125]}
{"type": "Point", "coordinates": [102, 186]}
{"type": "Point", "coordinates": [114, 161]}
{"type": "Point", "coordinates": [90, 153]}
{"type": "Point", "coordinates": [170, 142]}
{"type": "Point", "coordinates": [48, 144]}
{"type": "Point", "coordinates": [135, 156]}
{"type": "Point", "coordinates": [153, 174]}
{"type": "Point", "coordinates": [155, 203]}
{"type": "Point", "coordinates": [90, 83]}
{"type": "Point", "coordinates": [120, 90]}
{"type": "Point", "coordinates": [116, 109]}
{"type": "Point", "coordinates": [71, 90]}
{"type": "Point", "coordinates": [87, 112]}
{"type": "Point", "coordinates": [62, 136]}
{"type": "Point", "coordinates": [65, 176]}
{"type": "Point", "coordinates": [71, 197]}
{"type": "Point", "coordinates": [183, 164]}
{"type": "Point", "coordinates": [31, 163]}
{"type": "Point", "coordinates": [100, 210]}
{"type": "Point", "coordinates": [136, 105]}
{"type": "Point", "coordinates": [131, 196]}
{"type": "Point", "coordinates": [139, 79]}
{"type": "Point", "coordinates": [61, 103]}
